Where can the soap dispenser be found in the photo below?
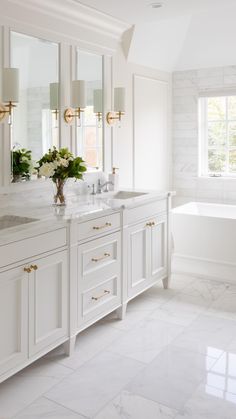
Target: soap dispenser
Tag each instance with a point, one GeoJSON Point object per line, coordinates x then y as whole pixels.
{"type": "Point", "coordinates": [114, 179]}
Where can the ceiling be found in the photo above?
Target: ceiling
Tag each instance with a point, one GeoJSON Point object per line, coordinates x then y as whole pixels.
{"type": "Point", "coordinates": [182, 35]}
{"type": "Point", "coordinates": [139, 11]}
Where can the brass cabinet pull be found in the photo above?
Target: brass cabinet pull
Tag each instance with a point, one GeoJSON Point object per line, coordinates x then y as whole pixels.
{"type": "Point", "coordinates": [106, 255]}
{"type": "Point", "coordinates": [105, 292]}
{"type": "Point", "coordinates": [27, 269]}
{"type": "Point", "coordinates": [34, 267]}
{"type": "Point", "coordinates": [101, 227]}
{"type": "Point", "coordinates": [150, 224]}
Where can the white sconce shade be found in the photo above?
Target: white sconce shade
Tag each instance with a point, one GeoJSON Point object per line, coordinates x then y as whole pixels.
{"type": "Point", "coordinates": [119, 99]}
{"type": "Point", "coordinates": [54, 96]}
{"type": "Point", "coordinates": [79, 99]}
{"type": "Point", "coordinates": [97, 101]}
{"type": "Point", "coordinates": [10, 85]}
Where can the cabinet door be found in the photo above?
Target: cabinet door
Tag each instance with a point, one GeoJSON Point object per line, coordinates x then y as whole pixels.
{"type": "Point", "coordinates": [13, 318]}
{"type": "Point", "coordinates": [138, 251]}
{"type": "Point", "coordinates": [48, 302]}
{"type": "Point", "coordinates": [158, 248]}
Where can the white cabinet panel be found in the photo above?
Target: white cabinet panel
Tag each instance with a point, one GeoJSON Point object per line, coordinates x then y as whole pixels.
{"type": "Point", "coordinates": [158, 254]}
{"type": "Point", "coordinates": [48, 302]}
{"type": "Point", "coordinates": [138, 241]}
{"type": "Point", "coordinates": [147, 254]}
{"type": "Point", "coordinates": [13, 318]}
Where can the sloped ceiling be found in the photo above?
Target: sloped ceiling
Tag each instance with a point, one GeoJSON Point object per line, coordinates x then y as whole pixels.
{"type": "Point", "coordinates": [182, 35]}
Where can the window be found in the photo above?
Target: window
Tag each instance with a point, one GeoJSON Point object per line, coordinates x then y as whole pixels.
{"type": "Point", "coordinates": [90, 138]}
{"type": "Point", "coordinates": [218, 135]}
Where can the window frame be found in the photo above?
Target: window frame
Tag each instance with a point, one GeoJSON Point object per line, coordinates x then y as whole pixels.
{"type": "Point", "coordinates": [203, 125]}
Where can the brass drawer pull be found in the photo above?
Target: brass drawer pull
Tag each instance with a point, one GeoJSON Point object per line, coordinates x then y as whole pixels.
{"type": "Point", "coordinates": [101, 227]}
{"type": "Point", "coordinates": [34, 267]}
{"type": "Point", "coordinates": [27, 269]}
{"type": "Point", "coordinates": [105, 292]}
{"type": "Point", "coordinates": [106, 255]}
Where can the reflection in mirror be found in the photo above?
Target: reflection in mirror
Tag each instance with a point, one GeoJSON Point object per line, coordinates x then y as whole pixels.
{"type": "Point", "coordinates": [90, 131]}
{"type": "Point", "coordinates": [35, 125]}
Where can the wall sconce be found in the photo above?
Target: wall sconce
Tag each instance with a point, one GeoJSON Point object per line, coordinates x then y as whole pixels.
{"type": "Point", "coordinates": [119, 106]}
{"type": "Point", "coordinates": [98, 104]}
{"type": "Point", "coordinates": [10, 92]}
{"type": "Point", "coordinates": [54, 99]}
{"type": "Point", "coordinates": [79, 101]}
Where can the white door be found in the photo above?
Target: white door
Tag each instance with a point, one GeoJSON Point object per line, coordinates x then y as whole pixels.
{"type": "Point", "coordinates": [158, 248]}
{"type": "Point", "coordinates": [151, 148]}
{"type": "Point", "coordinates": [13, 318]}
{"type": "Point", "coordinates": [48, 301]}
{"type": "Point", "coordinates": [138, 251]}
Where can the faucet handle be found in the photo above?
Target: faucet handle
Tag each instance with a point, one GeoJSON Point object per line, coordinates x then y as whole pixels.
{"type": "Point", "coordinates": [93, 189]}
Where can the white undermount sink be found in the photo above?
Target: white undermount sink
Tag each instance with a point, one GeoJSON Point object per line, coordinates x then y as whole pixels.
{"type": "Point", "coordinates": [7, 221]}
{"type": "Point", "coordinates": [127, 194]}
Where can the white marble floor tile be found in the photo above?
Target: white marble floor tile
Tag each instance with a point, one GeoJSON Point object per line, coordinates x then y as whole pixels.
{"type": "Point", "coordinates": [147, 341]}
{"type": "Point", "coordinates": [160, 294]}
{"type": "Point", "coordinates": [178, 282]}
{"type": "Point", "coordinates": [43, 409]}
{"type": "Point", "coordinates": [19, 391]}
{"type": "Point", "coordinates": [225, 306]}
{"type": "Point", "coordinates": [183, 309]}
{"type": "Point", "coordinates": [209, 291]}
{"type": "Point", "coordinates": [207, 335]}
{"type": "Point", "coordinates": [95, 384]}
{"type": "Point", "coordinates": [143, 302]}
{"type": "Point", "coordinates": [46, 367]}
{"type": "Point", "coordinates": [132, 320]}
{"type": "Point", "coordinates": [132, 406]}
{"type": "Point", "coordinates": [88, 344]}
{"type": "Point", "coordinates": [209, 403]}
{"type": "Point", "coordinates": [172, 377]}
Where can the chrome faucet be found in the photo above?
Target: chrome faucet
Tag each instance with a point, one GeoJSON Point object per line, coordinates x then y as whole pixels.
{"type": "Point", "coordinates": [100, 186]}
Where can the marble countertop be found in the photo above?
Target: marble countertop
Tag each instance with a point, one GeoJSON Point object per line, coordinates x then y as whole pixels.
{"type": "Point", "coordinates": [79, 207]}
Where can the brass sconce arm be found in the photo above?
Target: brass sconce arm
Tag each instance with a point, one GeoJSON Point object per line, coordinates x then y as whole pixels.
{"type": "Point", "coordinates": [70, 113]}
{"type": "Point", "coordinates": [114, 116]}
{"type": "Point", "coordinates": [6, 110]}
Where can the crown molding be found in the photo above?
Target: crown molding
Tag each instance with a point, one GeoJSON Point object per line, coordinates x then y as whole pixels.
{"type": "Point", "coordinates": [84, 19]}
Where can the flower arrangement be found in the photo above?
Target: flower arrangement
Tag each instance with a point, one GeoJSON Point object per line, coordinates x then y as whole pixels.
{"type": "Point", "coordinates": [59, 165]}
{"type": "Point", "coordinates": [22, 166]}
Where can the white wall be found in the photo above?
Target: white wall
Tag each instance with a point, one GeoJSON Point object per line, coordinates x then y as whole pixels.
{"type": "Point", "coordinates": [186, 86]}
{"type": "Point", "coordinates": [146, 125]}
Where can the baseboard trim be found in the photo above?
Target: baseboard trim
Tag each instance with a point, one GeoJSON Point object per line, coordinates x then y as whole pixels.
{"type": "Point", "coordinates": [204, 268]}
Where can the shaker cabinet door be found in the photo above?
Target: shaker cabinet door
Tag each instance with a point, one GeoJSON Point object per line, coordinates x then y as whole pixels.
{"type": "Point", "coordinates": [48, 301]}
{"type": "Point", "coordinates": [158, 246]}
{"type": "Point", "coordinates": [13, 318]}
{"type": "Point", "coordinates": [138, 251]}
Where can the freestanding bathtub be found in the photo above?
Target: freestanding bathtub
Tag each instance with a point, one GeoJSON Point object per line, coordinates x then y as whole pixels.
{"type": "Point", "coordinates": [204, 240]}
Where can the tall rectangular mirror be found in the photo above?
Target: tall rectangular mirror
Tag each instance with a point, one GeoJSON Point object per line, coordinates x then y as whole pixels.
{"type": "Point", "coordinates": [90, 131]}
{"type": "Point", "coordinates": [35, 125]}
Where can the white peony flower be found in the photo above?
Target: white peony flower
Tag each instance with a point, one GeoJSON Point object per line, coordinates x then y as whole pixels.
{"type": "Point", "coordinates": [63, 162]}
{"type": "Point", "coordinates": [47, 169]}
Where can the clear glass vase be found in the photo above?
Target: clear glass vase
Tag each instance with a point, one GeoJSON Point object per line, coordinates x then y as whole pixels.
{"type": "Point", "coordinates": [59, 198]}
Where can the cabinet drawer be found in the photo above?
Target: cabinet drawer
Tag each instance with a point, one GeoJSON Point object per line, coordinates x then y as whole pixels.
{"type": "Point", "coordinates": [134, 215]}
{"type": "Point", "coordinates": [98, 299]}
{"type": "Point", "coordinates": [98, 226]}
{"type": "Point", "coordinates": [99, 258]}
{"type": "Point", "coordinates": [33, 246]}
